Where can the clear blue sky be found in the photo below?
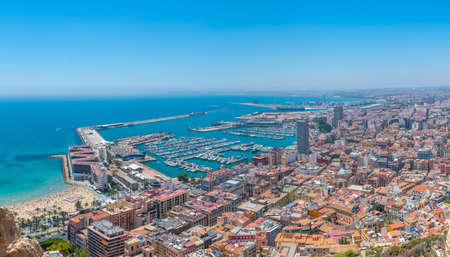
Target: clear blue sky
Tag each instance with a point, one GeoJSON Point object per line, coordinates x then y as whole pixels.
{"type": "Point", "coordinates": [92, 47]}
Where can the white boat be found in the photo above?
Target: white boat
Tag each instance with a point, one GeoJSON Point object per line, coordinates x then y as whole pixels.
{"type": "Point", "coordinates": [170, 163]}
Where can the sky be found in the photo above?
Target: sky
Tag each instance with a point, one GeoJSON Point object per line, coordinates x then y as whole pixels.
{"type": "Point", "coordinates": [146, 47]}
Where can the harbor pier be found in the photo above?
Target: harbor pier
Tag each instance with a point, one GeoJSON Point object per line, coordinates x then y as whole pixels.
{"type": "Point", "coordinates": [141, 122]}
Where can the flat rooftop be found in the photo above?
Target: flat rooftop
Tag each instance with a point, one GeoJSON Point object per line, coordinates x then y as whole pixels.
{"type": "Point", "coordinates": [107, 228]}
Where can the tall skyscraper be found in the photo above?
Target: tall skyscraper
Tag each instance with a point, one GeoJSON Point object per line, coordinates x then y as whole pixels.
{"type": "Point", "coordinates": [408, 123]}
{"type": "Point", "coordinates": [338, 115]}
{"type": "Point", "coordinates": [302, 136]}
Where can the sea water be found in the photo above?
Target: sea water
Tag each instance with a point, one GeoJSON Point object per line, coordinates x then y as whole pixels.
{"type": "Point", "coordinates": [33, 129]}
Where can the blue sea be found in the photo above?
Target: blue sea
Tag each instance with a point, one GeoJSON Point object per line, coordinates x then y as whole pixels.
{"type": "Point", "coordinates": [33, 129]}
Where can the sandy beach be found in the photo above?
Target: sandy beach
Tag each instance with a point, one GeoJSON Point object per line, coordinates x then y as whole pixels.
{"type": "Point", "coordinates": [61, 201]}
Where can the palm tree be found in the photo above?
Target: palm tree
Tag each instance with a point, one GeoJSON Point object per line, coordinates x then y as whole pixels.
{"type": "Point", "coordinates": [28, 222]}
{"type": "Point", "coordinates": [63, 215]}
{"type": "Point", "coordinates": [21, 224]}
{"type": "Point", "coordinates": [34, 223]}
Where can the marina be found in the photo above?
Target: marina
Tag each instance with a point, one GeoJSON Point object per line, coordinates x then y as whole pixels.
{"type": "Point", "coordinates": [190, 153]}
{"type": "Point", "coordinates": [180, 148]}
{"type": "Point", "coordinates": [176, 152]}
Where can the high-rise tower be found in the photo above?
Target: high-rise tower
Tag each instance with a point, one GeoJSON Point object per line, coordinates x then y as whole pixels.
{"type": "Point", "coordinates": [302, 136]}
{"type": "Point", "coordinates": [338, 115]}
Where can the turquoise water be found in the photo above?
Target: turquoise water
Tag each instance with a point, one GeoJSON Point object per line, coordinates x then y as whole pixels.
{"type": "Point", "coordinates": [29, 132]}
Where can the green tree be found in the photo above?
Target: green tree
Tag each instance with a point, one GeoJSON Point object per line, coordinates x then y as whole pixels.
{"type": "Point", "coordinates": [63, 247]}
{"type": "Point", "coordinates": [348, 253]}
{"type": "Point", "coordinates": [110, 179]}
{"type": "Point", "coordinates": [379, 207]}
{"type": "Point", "coordinates": [447, 200]}
{"type": "Point", "coordinates": [343, 241]}
{"type": "Point", "coordinates": [374, 251]}
{"type": "Point", "coordinates": [395, 250]}
{"type": "Point", "coordinates": [183, 176]}
{"type": "Point", "coordinates": [57, 244]}
{"type": "Point", "coordinates": [78, 205]}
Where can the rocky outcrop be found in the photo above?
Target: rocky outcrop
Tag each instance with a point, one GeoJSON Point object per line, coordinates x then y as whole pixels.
{"type": "Point", "coordinates": [24, 247]}
{"type": "Point", "coordinates": [11, 244]}
{"type": "Point", "coordinates": [8, 230]}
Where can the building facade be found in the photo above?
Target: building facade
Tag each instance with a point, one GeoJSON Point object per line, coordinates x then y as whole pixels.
{"type": "Point", "coordinates": [302, 136]}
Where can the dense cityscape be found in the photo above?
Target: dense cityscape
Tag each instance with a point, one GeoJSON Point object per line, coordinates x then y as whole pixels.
{"type": "Point", "coordinates": [366, 178]}
{"type": "Point", "coordinates": [224, 128]}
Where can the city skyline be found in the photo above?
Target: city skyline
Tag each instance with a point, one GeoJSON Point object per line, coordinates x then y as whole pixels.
{"type": "Point", "coordinates": [52, 48]}
{"type": "Point", "coordinates": [224, 128]}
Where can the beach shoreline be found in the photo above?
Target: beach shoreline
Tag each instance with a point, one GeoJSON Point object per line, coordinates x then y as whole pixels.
{"type": "Point", "coordinates": [64, 200]}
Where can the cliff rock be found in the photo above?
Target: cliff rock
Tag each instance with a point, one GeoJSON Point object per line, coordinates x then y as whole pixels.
{"type": "Point", "coordinates": [11, 244]}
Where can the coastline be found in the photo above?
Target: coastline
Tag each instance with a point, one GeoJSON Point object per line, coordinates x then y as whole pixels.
{"type": "Point", "coordinates": [61, 201]}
